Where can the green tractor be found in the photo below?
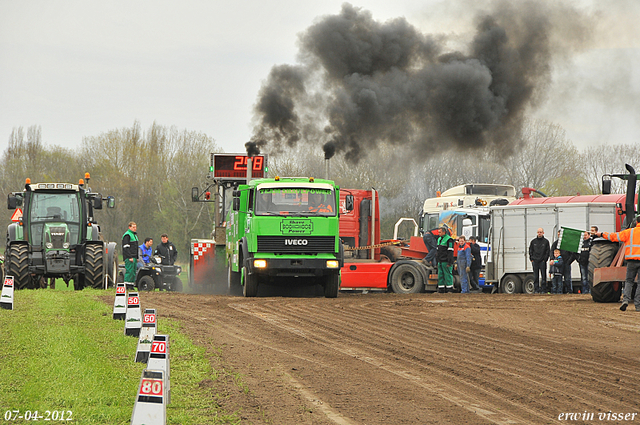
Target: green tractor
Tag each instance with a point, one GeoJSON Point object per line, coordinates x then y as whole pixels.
{"type": "Point", "coordinates": [58, 237]}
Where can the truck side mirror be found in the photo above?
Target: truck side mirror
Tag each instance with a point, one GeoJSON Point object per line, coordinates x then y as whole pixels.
{"type": "Point", "coordinates": [12, 202]}
{"type": "Point", "coordinates": [194, 194]}
{"type": "Point", "coordinates": [348, 203]}
{"type": "Point", "coordinates": [97, 202]}
{"type": "Point", "coordinates": [236, 204]}
{"type": "Point", "coordinates": [111, 202]}
{"type": "Point", "coordinates": [606, 186]}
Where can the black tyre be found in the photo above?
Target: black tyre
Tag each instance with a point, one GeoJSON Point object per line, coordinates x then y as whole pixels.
{"type": "Point", "coordinates": [17, 261]}
{"type": "Point", "coordinates": [146, 283]}
{"type": "Point", "coordinates": [250, 284]}
{"type": "Point", "coordinates": [527, 285]}
{"type": "Point", "coordinates": [176, 285]}
{"type": "Point", "coordinates": [406, 279]}
{"type": "Point", "coordinates": [602, 255]}
{"type": "Point", "coordinates": [331, 285]}
{"type": "Point", "coordinates": [393, 253]}
{"type": "Point", "coordinates": [511, 284]}
{"type": "Point", "coordinates": [120, 278]}
{"type": "Point", "coordinates": [457, 284]}
{"type": "Point", "coordinates": [233, 280]}
{"type": "Point", "coordinates": [94, 266]}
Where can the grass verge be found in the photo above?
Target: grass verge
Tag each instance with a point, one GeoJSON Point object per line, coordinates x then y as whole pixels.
{"type": "Point", "coordinates": [62, 350]}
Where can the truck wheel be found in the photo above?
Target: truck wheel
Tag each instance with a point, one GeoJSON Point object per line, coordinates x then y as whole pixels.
{"type": "Point", "coordinates": [511, 284]}
{"type": "Point", "coordinates": [602, 255]}
{"type": "Point", "coordinates": [406, 279]}
{"type": "Point", "coordinates": [146, 283]}
{"type": "Point", "coordinates": [94, 266]}
{"type": "Point", "coordinates": [527, 285]}
{"type": "Point", "coordinates": [176, 285]}
{"type": "Point", "coordinates": [393, 253]}
{"type": "Point", "coordinates": [332, 285]}
{"type": "Point", "coordinates": [250, 286]}
{"type": "Point", "coordinates": [18, 266]}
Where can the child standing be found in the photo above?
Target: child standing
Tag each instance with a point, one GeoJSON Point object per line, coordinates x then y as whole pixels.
{"type": "Point", "coordinates": [556, 271]}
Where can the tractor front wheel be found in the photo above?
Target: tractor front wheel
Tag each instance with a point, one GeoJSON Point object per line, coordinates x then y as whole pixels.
{"type": "Point", "coordinates": [18, 266]}
{"type": "Point", "coordinates": [94, 266]}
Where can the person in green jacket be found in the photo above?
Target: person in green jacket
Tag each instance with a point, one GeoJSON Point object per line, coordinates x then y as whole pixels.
{"type": "Point", "coordinates": [130, 253]}
{"type": "Point", "coordinates": [444, 257]}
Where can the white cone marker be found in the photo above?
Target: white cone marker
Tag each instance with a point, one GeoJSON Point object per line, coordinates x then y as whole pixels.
{"type": "Point", "coordinates": [120, 302]}
{"type": "Point", "coordinates": [159, 359]}
{"type": "Point", "coordinates": [146, 335]}
{"type": "Point", "coordinates": [151, 407]}
{"type": "Point", "coordinates": [6, 299]}
{"type": "Point", "coordinates": [133, 321]}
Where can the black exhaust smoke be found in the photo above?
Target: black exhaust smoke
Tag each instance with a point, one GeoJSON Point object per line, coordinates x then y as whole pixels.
{"type": "Point", "coordinates": [361, 82]}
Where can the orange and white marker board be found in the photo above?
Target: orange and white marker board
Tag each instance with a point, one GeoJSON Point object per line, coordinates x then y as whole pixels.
{"type": "Point", "coordinates": [151, 402]}
{"type": "Point", "coordinates": [159, 359]}
{"type": "Point", "coordinates": [147, 333]}
{"type": "Point", "coordinates": [120, 302]}
{"type": "Point", "coordinates": [133, 318]}
{"type": "Point", "coordinates": [6, 299]}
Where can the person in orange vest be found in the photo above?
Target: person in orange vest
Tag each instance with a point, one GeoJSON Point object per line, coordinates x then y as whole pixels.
{"type": "Point", "coordinates": [316, 203]}
{"type": "Point", "coordinates": [631, 239]}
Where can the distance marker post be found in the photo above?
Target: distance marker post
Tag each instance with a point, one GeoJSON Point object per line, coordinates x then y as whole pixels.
{"type": "Point", "coordinates": [6, 299]}
{"type": "Point", "coordinates": [151, 402]}
{"type": "Point", "coordinates": [120, 302]}
{"type": "Point", "coordinates": [133, 321]}
{"type": "Point", "coordinates": [159, 359]}
{"type": "Point", "coordinates": [147, 333]}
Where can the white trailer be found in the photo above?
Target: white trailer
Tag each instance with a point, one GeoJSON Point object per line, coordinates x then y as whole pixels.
{"type": "Point", "coordinates": [514, 226]}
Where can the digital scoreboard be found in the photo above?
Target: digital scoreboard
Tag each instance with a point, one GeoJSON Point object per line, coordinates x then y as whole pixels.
{"type": "Point", "coordinates": [234, 166]}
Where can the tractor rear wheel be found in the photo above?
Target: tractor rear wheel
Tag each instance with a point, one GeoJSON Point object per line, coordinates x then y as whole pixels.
{"type": "Point", "coordinates": [18, 266]}
{"type": "Point", "coordinates": [602, 255]}
{"type": "Point", "coordinates": [94, 266]}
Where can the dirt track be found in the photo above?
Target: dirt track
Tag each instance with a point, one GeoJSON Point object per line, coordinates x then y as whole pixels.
{"type": "Point", "coordinates": [420, 359]}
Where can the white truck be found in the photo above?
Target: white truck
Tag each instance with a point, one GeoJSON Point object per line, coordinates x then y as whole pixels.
{"type": "Point", "coordinates": [514, 226]}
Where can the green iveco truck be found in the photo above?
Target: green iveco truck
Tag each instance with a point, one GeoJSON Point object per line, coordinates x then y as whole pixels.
{"type": "Point", "coordinates": [284, 231]}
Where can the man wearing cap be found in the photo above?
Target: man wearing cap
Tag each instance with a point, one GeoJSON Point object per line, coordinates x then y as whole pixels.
{"type": "Point", "coordinates": [631, 239]}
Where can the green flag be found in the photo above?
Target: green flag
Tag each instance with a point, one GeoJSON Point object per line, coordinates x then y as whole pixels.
{"type": "Point", "coordinates": [570, 239]}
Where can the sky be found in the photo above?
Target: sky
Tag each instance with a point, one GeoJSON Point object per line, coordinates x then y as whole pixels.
{"type": "Point", "coordinates": [82, 68]}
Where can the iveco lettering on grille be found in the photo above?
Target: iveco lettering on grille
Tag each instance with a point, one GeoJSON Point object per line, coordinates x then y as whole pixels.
{"type": "Point", "coordinates": [296, 242]}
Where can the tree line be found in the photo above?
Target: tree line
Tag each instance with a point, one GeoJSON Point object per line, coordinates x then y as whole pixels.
{"type": "Point", "coordinates": [151, 172]}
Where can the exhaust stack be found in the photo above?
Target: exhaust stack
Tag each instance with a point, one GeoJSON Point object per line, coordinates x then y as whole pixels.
{"type": "Point", "coordinates": [327, 168]}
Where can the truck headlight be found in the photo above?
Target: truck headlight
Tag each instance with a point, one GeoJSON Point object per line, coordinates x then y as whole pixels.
{"type": "Point", "coordinates": [179, 269]}
{"type": "Point", "coordinates": [49, 245]}
{"type": "Point", "coordinates": [333, 264]}
{"type": "Point", "coordinates": [65, 245]}
{"type": "Point", "coordinates": [260, 264]}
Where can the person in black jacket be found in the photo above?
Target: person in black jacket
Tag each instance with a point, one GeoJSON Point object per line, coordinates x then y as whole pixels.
{"type": "Point", "coordinates": [476, 264]}
{"type": "Point", "coordinates": [539, 255]}
{"type": "Point", "coordinates": [568, 258]}
{"type": "Point", "coordinates": [583, 260]}
{"type": "Point", "coordinates": [167, 250]}
{"type": "Point", "coordinates": [130, 253]}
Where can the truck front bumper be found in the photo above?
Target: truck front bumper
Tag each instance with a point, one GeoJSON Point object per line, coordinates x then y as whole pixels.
{"type": "Point", "coordinates": [294, 267]}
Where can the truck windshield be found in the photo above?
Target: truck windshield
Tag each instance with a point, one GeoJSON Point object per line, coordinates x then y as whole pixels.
{"type": "Point", "coordinates": [54, 208]}
{"type": "Point", "coordinates": [296, 202]}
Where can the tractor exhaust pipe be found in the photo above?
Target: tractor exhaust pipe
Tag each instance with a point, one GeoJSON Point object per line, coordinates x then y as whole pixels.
{"type": "Point", "coordinates": [249, 168]}
{"type": "Point", "coordinates": [327, 168]}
